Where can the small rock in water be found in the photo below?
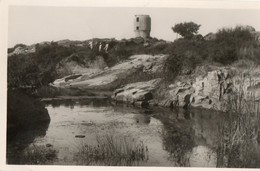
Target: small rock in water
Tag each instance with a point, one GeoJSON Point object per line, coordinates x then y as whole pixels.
{"type": "Point", "coordinates": [49, 145]}
{"type": "Point", "coordinates": [80, 136]}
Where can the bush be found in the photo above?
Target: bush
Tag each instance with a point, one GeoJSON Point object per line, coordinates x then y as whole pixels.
{"type": "Point", "coordinates": [172, 67]}
{"type": "Point", "coordinates": [232, 44]}
{"type": "Point", "coordinates": [186, 54]}
{"type": "Point", "coordinates": [22, 71]}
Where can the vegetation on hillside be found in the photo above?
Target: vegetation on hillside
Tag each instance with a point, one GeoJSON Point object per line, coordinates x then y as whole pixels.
{"type": "Point", "coordinates": [230, 45]}
{"type": "Point", "coordinates": [39, 68]}
{"type": "Point", "coordinates": [36, 69]}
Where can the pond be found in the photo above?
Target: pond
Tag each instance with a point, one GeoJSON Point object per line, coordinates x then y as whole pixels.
{"type": "Point", "coordinates": [152, 137]}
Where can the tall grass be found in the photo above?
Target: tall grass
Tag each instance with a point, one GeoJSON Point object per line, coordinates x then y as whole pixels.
{"type": "Point", "coordinates": [38, 155]}
{"type": "Point", "coordinates": [112, 151]}
{"type": "Point", "coordinates": [239, 130]}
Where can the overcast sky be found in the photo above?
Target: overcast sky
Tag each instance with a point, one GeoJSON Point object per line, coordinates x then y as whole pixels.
{"type": "Point", "coordinates": [32, 24]}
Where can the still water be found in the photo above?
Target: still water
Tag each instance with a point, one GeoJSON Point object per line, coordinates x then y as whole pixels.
{"type": "Point", "coordinates": [173, 137]}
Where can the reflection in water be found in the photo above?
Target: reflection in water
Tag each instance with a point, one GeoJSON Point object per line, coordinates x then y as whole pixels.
{"type": "Point", "coordinates": [19, 139]}
{"type": "Point", "coordinates": [178, 140]}
{"type": "Point", "coordinates": [177, 143]}
{"type": "Point", "coordinates": [202, 156]}
{"type": "Point", "coordinates": [174, 137]}
{"type": "Point", "coordinates": [142, 119]}
{"type": "Point", "coordinates": [99, 102]}
{"type": "Point", "coordinates": [185, 139]}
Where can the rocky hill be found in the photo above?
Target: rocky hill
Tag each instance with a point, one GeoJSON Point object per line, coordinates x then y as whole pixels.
{"type": "Point", "coordinates": [186, 72]}
{"type": "Point", "coordinates": [48, 61]}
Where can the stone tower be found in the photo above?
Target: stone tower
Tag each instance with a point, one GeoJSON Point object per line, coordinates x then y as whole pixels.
{"type": "Point", "coordinates": [142, 24]}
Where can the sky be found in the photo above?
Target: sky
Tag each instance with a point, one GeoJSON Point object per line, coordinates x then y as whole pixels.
{"type": "Point", "coordinates": [34, 24]}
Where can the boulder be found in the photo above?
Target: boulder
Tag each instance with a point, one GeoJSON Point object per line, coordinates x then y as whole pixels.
{"type": "Point", "coordinates": [136, 93]}
{"type": "Point", "coordinates": [141, 104]}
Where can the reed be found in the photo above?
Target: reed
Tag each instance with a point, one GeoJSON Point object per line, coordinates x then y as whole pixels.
{"type": "Point", "coordinates": [38, 155]}
{"type": "Point", "coordinates": [112, 150]}
{"type": "Point", "coordinates": [239, 130]}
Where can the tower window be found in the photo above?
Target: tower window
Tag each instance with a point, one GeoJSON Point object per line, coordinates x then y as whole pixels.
{"type": "Point", "coordinates": [137, 19]}
{"type": "Point", "coordinates": [137, 28]}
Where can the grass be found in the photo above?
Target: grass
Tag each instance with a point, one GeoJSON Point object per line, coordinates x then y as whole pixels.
{"type": "Point", "coordinates": [112, 151]}
{"type": "Point", "coordinates": [38, 155]}
{"type": "Point", "coordinates": [239, 130]}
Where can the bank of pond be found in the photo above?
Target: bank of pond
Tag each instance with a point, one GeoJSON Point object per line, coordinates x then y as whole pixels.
{"type": "Point", "coordinates": [96, 132]}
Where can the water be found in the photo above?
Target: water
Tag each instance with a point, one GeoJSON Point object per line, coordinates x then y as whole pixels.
{"type": "Point", "coordinates": [173, 137]}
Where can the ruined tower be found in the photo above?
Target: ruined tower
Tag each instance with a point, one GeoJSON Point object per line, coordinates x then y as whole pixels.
{"type": "Point", "coordinates": [142, 24]}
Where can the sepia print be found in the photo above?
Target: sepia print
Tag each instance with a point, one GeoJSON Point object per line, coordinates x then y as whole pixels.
{"type": "Point", "coordinates": [128, 86]}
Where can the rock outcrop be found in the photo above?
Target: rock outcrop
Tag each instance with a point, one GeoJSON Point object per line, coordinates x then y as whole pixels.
{"type": "Point", "coordinates": [111, 78]}
{"type": "Point", "coordinates": [205, 87]}
{"type": "Point", "coordinates": [137, 93]}
{"type": "Point", "coordinates": [209, 90]}
{"type": "Point", "coordinates": [70, 66]}
{"type": "Point", "coordinates": [204, 92]}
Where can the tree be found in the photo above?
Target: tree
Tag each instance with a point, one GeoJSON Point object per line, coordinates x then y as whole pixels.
{"type": "Point", "coordinates": [186, 29]}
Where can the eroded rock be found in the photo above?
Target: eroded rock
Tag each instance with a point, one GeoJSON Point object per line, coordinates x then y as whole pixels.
{"type": "Point", "coordinates": [137, 93]}
{"type": "Point", "coordinates": [210, 90]}
{"type": "Point", "coordinates": [111, 77]}
{"type": "Point", "coordinates": [204, 92]}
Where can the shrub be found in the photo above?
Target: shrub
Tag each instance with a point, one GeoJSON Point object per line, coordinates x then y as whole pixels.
{"type": "Point", "coordinates": [185, 54]}
{"type": "Point", "coordinates": [22, 71]}
{"type": "Point", "coordinates": [172, 67]}
{"type": "Point", "coordinates": [232, 44]}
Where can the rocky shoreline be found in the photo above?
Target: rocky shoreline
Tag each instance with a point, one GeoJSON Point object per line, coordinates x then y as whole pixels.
{"type": "Point", "coordinates": [207, 87]}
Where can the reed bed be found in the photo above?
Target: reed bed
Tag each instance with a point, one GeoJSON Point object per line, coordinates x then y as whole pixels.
{"type": "Point", "coordinates": [239, 133]}
{"type": "Point", "coordinates": [112, 150]}
{"type": "Point", "coordinates": [38, 155]}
